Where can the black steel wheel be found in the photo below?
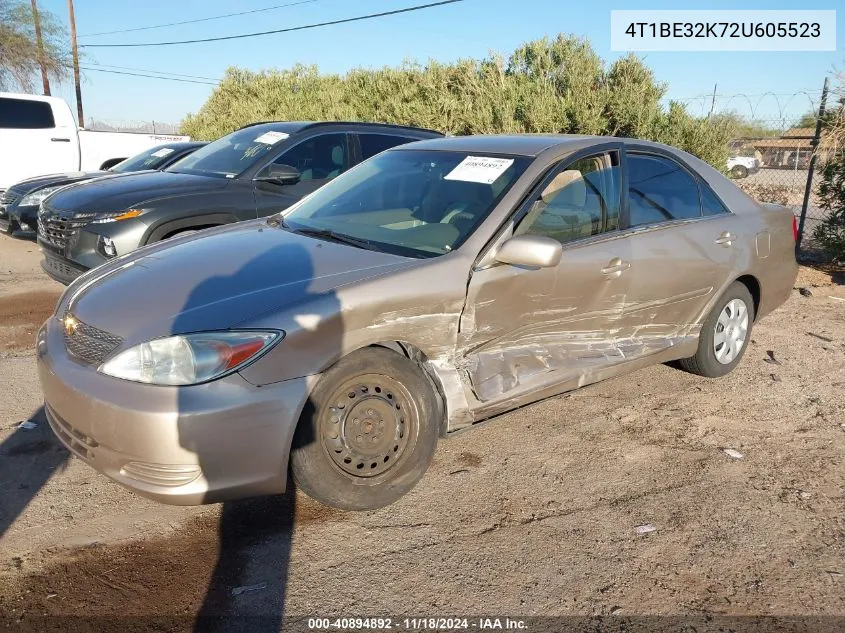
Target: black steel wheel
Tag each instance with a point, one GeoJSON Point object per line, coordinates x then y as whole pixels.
{"type": "Point", "coordinates": [368, 433]}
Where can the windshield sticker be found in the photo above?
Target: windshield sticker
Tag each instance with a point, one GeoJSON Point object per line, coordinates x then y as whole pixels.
{"type": "Point", "coordinates": [481, 169]}
{"type": "Point", "coordinates": [271, 138]}
{"type": "Point", "coordinates": [164, 151]}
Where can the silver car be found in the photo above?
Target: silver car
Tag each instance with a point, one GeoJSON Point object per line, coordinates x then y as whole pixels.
{"type": "Point", "coordinates": [434, 286]}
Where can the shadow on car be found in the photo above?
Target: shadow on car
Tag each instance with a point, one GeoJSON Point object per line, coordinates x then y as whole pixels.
{"type": "Point", "coordinates": [248, 585]}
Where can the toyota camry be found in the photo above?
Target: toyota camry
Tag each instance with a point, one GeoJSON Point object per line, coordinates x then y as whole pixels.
{"type": "Point", "coordinates": [434, 286]}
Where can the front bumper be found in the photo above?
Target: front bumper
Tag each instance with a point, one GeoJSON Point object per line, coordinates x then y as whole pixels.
{"type": "Point", "coordinates": [59, 268]}
{"type": "Point", "coordinates": [222, 440]}
{"type": "Point", "coordinates": [25, 215]}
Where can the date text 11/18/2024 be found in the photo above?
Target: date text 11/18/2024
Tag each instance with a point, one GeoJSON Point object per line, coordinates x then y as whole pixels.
{"type": "Point", "coordinates": [415, 624]}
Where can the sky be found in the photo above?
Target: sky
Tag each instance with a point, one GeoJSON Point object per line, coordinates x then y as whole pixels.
{"type": "Point", "coordinates": [468, 29]}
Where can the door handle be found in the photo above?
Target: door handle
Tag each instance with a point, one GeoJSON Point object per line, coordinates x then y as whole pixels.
{"type": "Point", "coordinates": [60, 140]}
{"type": "Point", "coordinates": [615, 267]}
{"type": "Point", "coordinates": [725, 239]}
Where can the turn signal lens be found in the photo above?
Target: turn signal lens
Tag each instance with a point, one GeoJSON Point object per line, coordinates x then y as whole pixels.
{"type": "Point", "coordinates": [118, 216]}
{"type": "Point", "coordinates": [794, 229]}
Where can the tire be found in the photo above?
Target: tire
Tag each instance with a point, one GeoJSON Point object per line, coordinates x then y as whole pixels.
{"type": "Point", "coordinates": [739, 171]}
{"type": "Point", "coordinates": [373, 395]}
{"type": "Point", "coordinates": [725, 321]}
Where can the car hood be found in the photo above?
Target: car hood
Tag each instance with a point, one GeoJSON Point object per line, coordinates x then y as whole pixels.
{"type": "Point", "coordinates": [217, 279]}
{"type": "Point", "coordinates": [121, 191]}
{"type": "Point", "coordinates": [54, 180]}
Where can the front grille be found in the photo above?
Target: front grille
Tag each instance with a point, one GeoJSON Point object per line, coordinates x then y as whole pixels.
{"type": "Point", "coordinates": [89, 344]}
{"type": "Point", "coordinates": [8, 198]}
{"type": "Point", "coordinates": [60, 232]}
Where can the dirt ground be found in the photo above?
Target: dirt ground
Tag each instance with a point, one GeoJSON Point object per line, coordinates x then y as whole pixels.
{"type": "Point", "coordinates": [535, 513]}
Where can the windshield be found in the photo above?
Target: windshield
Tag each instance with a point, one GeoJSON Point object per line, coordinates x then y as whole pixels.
{"type": "Point", "coordinates": [151, 159]}
{"type": "Point", "coordinates": [229, 156]}
{"type": "Point", "coordinates": [414, 203]}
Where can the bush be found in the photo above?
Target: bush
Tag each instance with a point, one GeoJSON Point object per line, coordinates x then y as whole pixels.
{"type": "Point", "coordinates": [554, 86]}
{"type": "Point", "coordinates": [830, 233]}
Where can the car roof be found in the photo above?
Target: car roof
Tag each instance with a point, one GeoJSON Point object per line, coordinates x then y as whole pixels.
{"type": "Point", "coordinates": [517, 144]}
{"type": "Point", "coordinates": [292, 127]}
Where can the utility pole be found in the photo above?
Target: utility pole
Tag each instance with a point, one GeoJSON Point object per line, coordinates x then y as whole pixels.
{"type": "Point", "coordinates": [45, 81]}
{"type": "Point", "coordinates": [713, 102]}
{"type": "Point", "coordinates": [809, 187]}
{"type": "Point", "coordinates": [75, 64]}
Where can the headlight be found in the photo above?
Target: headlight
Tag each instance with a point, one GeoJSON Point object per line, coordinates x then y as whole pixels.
{"type": "Point", "coordinates": [116, 216]}
{"type": "Point", "coordinates": [34, 199]}
{"type": "Point", "coordinates": [191, 358]}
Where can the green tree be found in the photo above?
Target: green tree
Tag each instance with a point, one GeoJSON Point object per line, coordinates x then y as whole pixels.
{"type": "Point", "coordinates": [19, 57]}
{"type": "Point", "coordinates": [557, 85]}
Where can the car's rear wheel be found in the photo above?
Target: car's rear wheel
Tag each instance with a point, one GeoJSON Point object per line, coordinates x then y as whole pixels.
{"type": "Point", "coordinates": [368, 433]}
{"type": "Point", "coordinates": [724, 335]}
{"type": "Point", "coordinates": [739, 171]}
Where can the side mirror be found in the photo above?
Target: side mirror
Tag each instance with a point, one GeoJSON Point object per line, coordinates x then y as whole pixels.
{"type": "Point", "coordinates": [279, 174]}
{"type": "Point", "coordinates": [533, 251]}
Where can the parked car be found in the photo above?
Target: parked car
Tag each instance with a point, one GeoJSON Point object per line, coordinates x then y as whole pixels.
{"type": "Point", "coordinates": [46, 140]}
{"type": "Point", "coordinates": [742, 166]}
{"type": "Point", "coordinates": [256, 171]}
{"type": "Point", "coordinates": [432, 287]}
{"type": "Point", "coordinates": [19, 204]}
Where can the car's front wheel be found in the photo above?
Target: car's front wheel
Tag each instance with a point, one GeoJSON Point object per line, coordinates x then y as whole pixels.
{"type": "Point", "coordinates": [724, 335]}
{"type": "Point", "coordinates": [368, 432]}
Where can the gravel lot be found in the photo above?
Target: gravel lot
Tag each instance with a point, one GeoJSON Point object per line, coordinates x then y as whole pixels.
{"type": "Point", "coordinates": [533, 513]}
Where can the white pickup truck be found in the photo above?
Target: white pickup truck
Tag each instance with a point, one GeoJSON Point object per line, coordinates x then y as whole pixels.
{"type": "Point", "coordinates": [38, 136]}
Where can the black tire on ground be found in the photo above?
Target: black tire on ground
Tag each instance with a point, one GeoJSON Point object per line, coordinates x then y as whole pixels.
{"type": "Point", "coordinates": [385, 417]}
{"type": "Point", "coordinates": [705, 362]}
{"type": "Point", "coordinates": [11, 227]}
{"type": "Point", "coordinates": [739, 171]}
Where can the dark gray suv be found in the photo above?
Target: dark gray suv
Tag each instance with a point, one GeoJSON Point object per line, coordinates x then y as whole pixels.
{"type": "Point", "coordinates": [256, 171]}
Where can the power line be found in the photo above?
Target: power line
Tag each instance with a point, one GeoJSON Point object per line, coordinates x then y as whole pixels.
{"type": "Point", "coordinates": [287, 30]}
{"type": "Point", "coordinates": [214, 17]}
{"type": "Point", "coordinates": [157, 72]}
{"type": "Point", "coordinates": [119, 72]}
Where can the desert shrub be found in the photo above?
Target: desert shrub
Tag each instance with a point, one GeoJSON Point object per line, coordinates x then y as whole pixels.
{"type": "Point", "coordinates": [555, 85]}
{"type": "Point", "coordinates": [830, 232]}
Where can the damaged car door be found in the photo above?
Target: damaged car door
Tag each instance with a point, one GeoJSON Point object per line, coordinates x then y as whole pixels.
{"type": "Point", "coordinates": [667, 224]}
{"type": "Point", "coordinates": [524, 327]}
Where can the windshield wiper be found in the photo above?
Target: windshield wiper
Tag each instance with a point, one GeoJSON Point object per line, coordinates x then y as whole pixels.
{"type": "Point", "coordinates": [330, 235]}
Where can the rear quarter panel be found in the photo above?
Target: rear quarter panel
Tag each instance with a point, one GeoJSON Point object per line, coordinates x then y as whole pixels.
{"type": "Point", "coordinates": [764, 232]}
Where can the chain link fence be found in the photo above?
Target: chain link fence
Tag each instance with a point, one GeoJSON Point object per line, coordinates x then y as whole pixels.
{"type": "Point", "coordinates": [777, 169]}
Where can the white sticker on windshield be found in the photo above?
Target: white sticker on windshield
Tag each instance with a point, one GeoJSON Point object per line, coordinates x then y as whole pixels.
{"type": "Point", "coordinates": [481, 169]}
{"type": "Point", "coordinates": [164, 151]}
{"type": "Point", "coordinates": [271, 138]}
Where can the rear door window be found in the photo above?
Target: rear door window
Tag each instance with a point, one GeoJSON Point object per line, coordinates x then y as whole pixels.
{"type": "Point", "coordinates": [319, 158]}
{"type": "Point", "coordinates": [710, 204]}
{"type": "Point", "coordinates": [24, 114]}
{"type": "Point", "coordinates": [660, 190]}
{"type": "Point", "coordinates": [372, 144]}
